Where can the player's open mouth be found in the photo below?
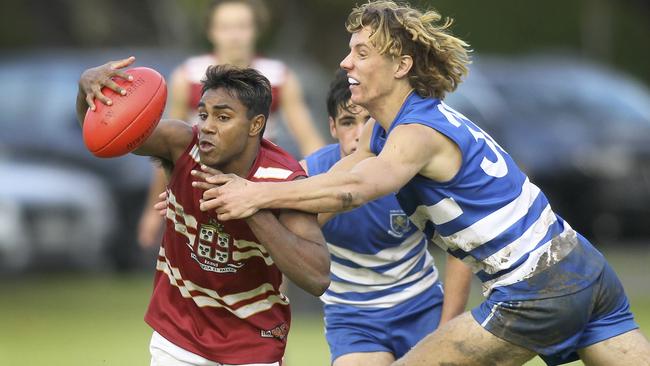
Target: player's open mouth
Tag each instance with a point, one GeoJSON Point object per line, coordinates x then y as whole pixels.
{"type": "Point", "coordinates": [352, 81]}
{"type": "Point", "coordinates": [205, 146]}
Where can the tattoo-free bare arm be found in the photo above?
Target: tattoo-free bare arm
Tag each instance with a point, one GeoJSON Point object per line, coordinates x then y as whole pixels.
{"type": "Point", "coordinates": [179, 94]}
{"type": "Point", "coordinates": [167, 141]}
{"type": "Point", "coordinates": [458, 280]}
{"type": "Point", "coordinates": [299, 121]}
{"type": "Point", "coordinates": [297, 247]}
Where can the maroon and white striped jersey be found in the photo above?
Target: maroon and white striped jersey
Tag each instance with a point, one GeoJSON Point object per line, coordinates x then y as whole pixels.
{"type": "Point", "coordinates": [216, 289]}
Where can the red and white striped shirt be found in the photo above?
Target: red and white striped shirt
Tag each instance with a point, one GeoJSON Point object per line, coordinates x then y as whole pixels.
{"type": "Point", "coordinates": [216, 289]}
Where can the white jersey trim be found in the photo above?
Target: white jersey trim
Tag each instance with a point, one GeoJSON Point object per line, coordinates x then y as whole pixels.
{"type": "Point", "coordinates": [175, 209]}
{"type": "Point", "coordinates": [211, 297]}
{"type": "Point", "coordinates": [441, 213]}
{"type": "Point", "coordinates": [514, 251]}
{"type": "Point", "coordinates": [527, 269]}
{"type": "Point", "coordinates": [383, 257]}
{"type": "Point", "coordinates": [388, 300]}
{"type": "Point", "coordinates": [492, 225]}
{"type": "Point", "coordinates": [272, 173]}
{"type": "Point", "coordinates": [342, 287]}
{"type": "Point", "coordinates": [366, 276]}
{"type": "Point", "coordinates": [194, 153]}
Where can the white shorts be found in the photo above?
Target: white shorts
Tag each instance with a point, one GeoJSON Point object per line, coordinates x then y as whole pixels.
{"type": "Point", "coordinates": [165, 353]}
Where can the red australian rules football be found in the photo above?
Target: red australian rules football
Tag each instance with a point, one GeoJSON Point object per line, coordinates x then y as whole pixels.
{"type": "Point", "coordinates": [117, 129]}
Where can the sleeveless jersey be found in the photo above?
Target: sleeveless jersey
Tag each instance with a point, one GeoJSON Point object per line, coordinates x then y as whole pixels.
{"type": "Point", "coordinates": [216, 289]}
{"type": "Point", "coordinates": [490, 215]}
{"type": "Point", "coordinates": [378, 258]}
{"type": "Point", "coordinates": [274, 70]}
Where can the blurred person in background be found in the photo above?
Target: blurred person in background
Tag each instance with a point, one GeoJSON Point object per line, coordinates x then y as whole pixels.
{"type": "Point", "coordinates": [216, 297]}
{"type": "Point", "coordinates": [385, 294]}
{"type": "Point", "coordinates": [233, 27]}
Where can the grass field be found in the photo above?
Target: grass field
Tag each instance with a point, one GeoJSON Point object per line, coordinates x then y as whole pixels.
{"type": "Point", "coordinates": [70, 320]}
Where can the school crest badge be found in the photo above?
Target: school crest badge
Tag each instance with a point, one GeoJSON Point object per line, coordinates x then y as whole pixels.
{"type": "Point", "coordinates": [399, 224]}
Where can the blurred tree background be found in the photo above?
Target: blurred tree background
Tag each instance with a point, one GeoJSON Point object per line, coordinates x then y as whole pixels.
{"type": "Point", "coordinates": [614, 32]}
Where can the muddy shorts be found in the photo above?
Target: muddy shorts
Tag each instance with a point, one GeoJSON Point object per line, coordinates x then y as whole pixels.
{"type": "Point", "coordinates": [556, 327]}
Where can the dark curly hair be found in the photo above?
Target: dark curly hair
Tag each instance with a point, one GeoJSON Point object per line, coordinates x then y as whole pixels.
{"type": "Point", "coordinates": [339, 94]}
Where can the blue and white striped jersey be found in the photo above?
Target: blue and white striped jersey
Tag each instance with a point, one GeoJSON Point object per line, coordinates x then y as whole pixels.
{"type": "Point", "coordinates": [379, 259]}
{"type": "Point", "coordinates": [490, 215]}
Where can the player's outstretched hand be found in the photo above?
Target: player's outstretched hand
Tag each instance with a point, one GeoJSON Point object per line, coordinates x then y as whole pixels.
{"type": "Point", "coordinates": [93, 80]}
{"type": "Point", "coordinates": [228, 194]}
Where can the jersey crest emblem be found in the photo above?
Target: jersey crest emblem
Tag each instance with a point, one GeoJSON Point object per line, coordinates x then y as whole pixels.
{"type": "Point", "coordinates": [213, 250]}
{"type": "Point", "coordinates": [399, 224]}
{"type": "Point", "coordinates": [213, 242]}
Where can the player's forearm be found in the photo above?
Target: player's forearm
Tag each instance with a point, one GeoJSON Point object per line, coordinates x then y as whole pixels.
{"type": "Point", "coordinates": [303, 261]}
{"type": "Point", "coordinates": [458, 279]}
{"type": "Point", "coordinates": [332, 192]}
{"type": "Point", "coordinates": [167, 141]}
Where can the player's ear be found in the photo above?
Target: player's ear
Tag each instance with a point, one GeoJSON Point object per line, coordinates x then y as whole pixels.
{"type": "Point", "coordinates": [257, 125]}
{"type": "Point", "coordinates": [332, 127]}
{"type": "Point", "coordinates": [403, 65]}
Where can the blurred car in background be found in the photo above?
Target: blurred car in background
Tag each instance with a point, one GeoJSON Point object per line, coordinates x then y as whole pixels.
{"type": "Point", "coordinates": [52, 217]}
{"type": "Point", "coordinates": [55, 195]}
{"type": "Point", "coordinates": [580, 130]}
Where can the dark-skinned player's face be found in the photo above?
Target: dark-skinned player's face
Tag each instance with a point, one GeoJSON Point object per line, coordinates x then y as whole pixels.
{"type": "Point", "coordinates": [224, 127]}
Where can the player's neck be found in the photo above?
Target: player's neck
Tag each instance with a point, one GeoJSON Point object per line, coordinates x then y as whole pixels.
{"type": "Point", "coordinates": [243, 60]}
{"type": "Point", "coordinates": [385, 109]}
{"type": "Point", "coordinates": [242, 163]}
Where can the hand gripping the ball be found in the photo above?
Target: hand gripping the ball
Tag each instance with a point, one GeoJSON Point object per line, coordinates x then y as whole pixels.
{"type": "Point", "coordinates": [132, 103]}
{"type": "Point", "coordinates": [93, 80]}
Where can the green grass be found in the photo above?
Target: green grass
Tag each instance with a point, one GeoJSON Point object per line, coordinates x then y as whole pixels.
{"type": "Point", "coordinates": [71, 320]}
{"type": "Point", "coordinates": [65, 320]}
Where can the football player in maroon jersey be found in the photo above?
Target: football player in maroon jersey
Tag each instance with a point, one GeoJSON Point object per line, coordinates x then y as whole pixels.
{"type": "Point", "coordinates": [232, 30]}
{"type": "Point", "coordinates": [216, 297]}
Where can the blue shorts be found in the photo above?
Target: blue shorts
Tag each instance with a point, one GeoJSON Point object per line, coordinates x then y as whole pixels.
{"type": "Point", "coordinates": [555, 328]}
{"type": "Point", "coordinates": [351, 329]}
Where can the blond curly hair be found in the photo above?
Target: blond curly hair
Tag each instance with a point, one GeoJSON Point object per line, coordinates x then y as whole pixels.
{"type": "Point", "coordinates": [440, 60]}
